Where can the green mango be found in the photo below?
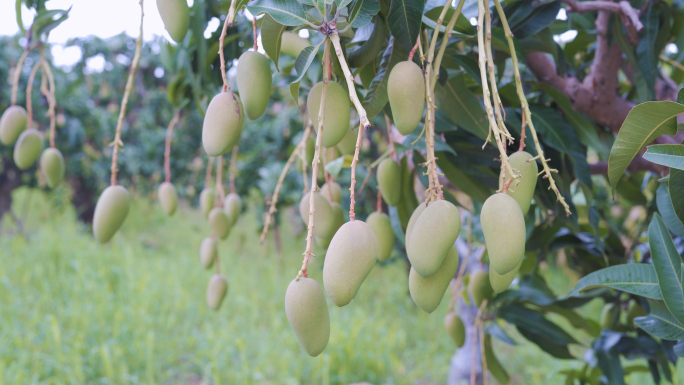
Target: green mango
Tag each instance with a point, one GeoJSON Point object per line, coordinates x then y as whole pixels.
{"type": "Point", "coordinates": [380, 223]}
{"type": "Point", "coordinates": [634, 310]}
{"type": "Point", "coordinates": [208, 252]}
{"type": "Point", "coordinates": [254, 79]}
{"type": "Point", "coordinates": [307, 313]}
{"type": "Point", "coordinates": [232, 206]}
{"type": "Point", "coordinates": [175, 15]}
{"type": "Point", "coordinates": [111, 211]}
{"type": "Point", "coordinates": [338, 220]}
{"type": "Point", "coordinates": [412, 222]}
{"type": "Point", "coordinates": [501, 282]}
{"type": "Point", "coordinates": [607, 316]}
{"type": "Point", "coordinates": [292, 44]}
{"type": "Point", "coordinates": [350, 258]}
{"type": "Point", "coordinates": [479, 287]}
{"type": "Point", "coordinates": [503, 226]}
{"type": "Point", "coordinates": [389, 180]}
{"type": "Point", "coordinates": [52, 166]}
{"type": "Point", "coordinates": [332, 192]}
{"type": "Point", "coordinates": [222, 126]}
{"type": "Point", "coordinates": [168, 198]}
{"type": "Point", "coordinates": [323, 215]}
{"type": "Point", "coordinates": [219, 222]}
{"type": "Point", "coordinates": [206, 201]}
{"type": "Point", "coordinates": [337, 112]}
{"type": "Point", "coordinates": [427, 292]}
{"type": "Point", "coordinates": [28, 148]}
{"type": "Point", "coordinates": [406, 92]}
{"type": "Point", "coordinates": [433, 234]}
{"type": "Point", "coordinates": [347, 146]}
{"type": "Point", "coordinates": [523, 191]}
{"type": "Point", "coordinates": [455, 327]}
{"type": "Point", "coordinates": [216, 291]}
{"type": "Point", "coordinates": [12, 124]}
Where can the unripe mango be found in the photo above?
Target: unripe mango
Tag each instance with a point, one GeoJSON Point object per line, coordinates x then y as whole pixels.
{"type": "Point", "coordinates": [232, 206]}
{"type": "Point", "coordinates": [389, 180]}
{"type": "Point", "coordinates": [406, 92]}
{"type": "Point", "coordinates": [501, 282]}
{"type": "Point", "coordinates": [323, 214]}
{"type": "Point", "coordinates": [168, 198]}
{"type": "Point", "coordinates": [216, 291]}
{"type": "Point", "coordinates": [380, 223]}
{"type": "Point", "coordinates": [337, 112]}
{"type": "Point", "coordinates": [28, 148]}
{"type": "Point", "coordinates": [292, 44]}
{"type": "Point", "coordinates": [332, 189]}
{"type": "Point", "coordinates": [479, 287]}
{"type": "Point", "coordinates": [12, 124]}
{"type": "Point", "coordinates": [607, 316]}
{"type": "Point", "coordinates": [634, 310]}
{"type": "Point", "coordinates": [254, 82]}
{"type": "Point", "coordinates": [222, 126]}
{"type": "Point", "coordinates": [52, 166]}
{"type": "Point", "coordinates": [503, 226]}
{"type": "Point", "coordinates": [412, 222]}
{"type": "Point", "coordinates": [208, 252]}
{"type": "Point", "coordinates": [350, 257]}
{"type": "Point", "coordinates": [206, 201]}
{"type": "Point", "coordinates": [427, 292]}
{"type": "Point", "coordinates": [175, 15]}
{"type": "Point", "coordinates": [432, 236]}
{"type": "Point", "coordinates": [338, 220]}
{"type": "Point", "coordinates": [111, 211]}
{"type": "Point", "coordinates": [523, 191]}
{"type": "Point", "coordinates": [219, 222]}
{"type": "Point", "coordinates": [455, 327]}
{"type": "Point", "coordinates": [307, 313]}
{"type": "Point", "coordinates": [347, 146]}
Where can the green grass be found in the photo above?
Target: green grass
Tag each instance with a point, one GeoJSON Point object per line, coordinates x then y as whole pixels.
{"type": "Point", "coordinates": [73, 311]}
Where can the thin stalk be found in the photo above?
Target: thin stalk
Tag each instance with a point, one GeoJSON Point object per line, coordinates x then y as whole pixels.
{"type": "Point", "coordinates": [207, 175]}
{"type": "Point", "coordinates": [218, 188]}
{"type": "Point", "coordinates": [363, 116]}
{"type": "Point", "coordinates": [29, 93]}
{"type": "Point", "coordinates": [355, 160]}
{"type": "Point", "coordinates": [445, 39]}
{"type": "Point", "coordinates": [527, 114]}
{"type": "Point", "coordinates": [230, 21]}
{"type": "Point", "coordinates": [117, 143]}
{"type": "Point", "coordinates": [167, 147]}
{"type": "Point", "coordinates": [17, 75]}
{"type": "Point", "coordinates": [254, 28]}
{"type": "Point", "coordinates": [49, 93]}
{"type": "Point", "coordinates": [316, 161]}
{"type": "Point", "coordinates": [393, 150]}
{"type": "Point", "coordinates": [483, 357]}
{"type": "Point", "coordinates": [233, 169]}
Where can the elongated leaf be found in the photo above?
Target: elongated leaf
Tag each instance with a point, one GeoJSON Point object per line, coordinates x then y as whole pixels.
{"type": "Point", "coordinates": [670, 155]}
{"type": "Point", "coordinates": [376, 98]}
{"type": "Point", "coordinates": [608, 357]}
{"type": "Point", "coordinates": [635, 278]}
{"type": "Point", "coordinates": [644, 123]}
{"type": "Point", "coordinates": [461, 106]}
{"type": "Point", "coordinates": [320, 5]}
{"type": "Point", "coordinates": [629, 50]}
{"type": "Point", "coordinates": [660, 322]}
{"type": "Point", "coordinates": [404, 21]}
{"type": "Point", "coordinates": [526, 19]}
{"type": "Point", "coordinates": [285, 12]}
{"type": "Point", "coordinates": [675, 187]}
{"type": "Point", "coordinates": [302, 63]}
{"type": "Point", "coordinates": [668, 266]}
{"type": "Point", "coordinates": [341, 3]}
{"type": "Point", "coordinates": [362, 11]}
{"type": "Point", "coordinates": [679, 349]}
{"type": "Point", "coordinates": [647, 57]}
{"type": "Point", "coordinates": [493, 363]}
{"type": "Point", "coordinates": [468, 64]}
{"type": "Point", "coordinates": [522, 316]}
{"type": "Point", "coordinates": [469, 185]}
{"type": "Point", "coordinates": [271, 38]}
{"type": "Point", "coordinates": [666, 209]}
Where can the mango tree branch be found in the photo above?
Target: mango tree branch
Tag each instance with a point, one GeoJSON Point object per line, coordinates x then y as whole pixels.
{"type": "Point", "coordinates": [355, 160]}
{"type": "Point", "coordinates": [29, 93]}
{"type": "Point", "coordinates": [363, 116]}
{"type": "Point", "coordinates": [274, 198]}
{"type": "Point", "coordinates": [17, 75]}
{"type": "Point", "coordinates": [445, 40]}
{"type": "Point", "coordinates": [316, 161]}
{"type": "Point", "coordinates": [167, 147]}
{"type": "Point", "coordinates": [49, 94]}
{"type": "Point", "coordinates": [117, 143]}
{"type": "Point", "coordinates": [527, 114]}
{"type": "Point", "coordinates": [230, 21]}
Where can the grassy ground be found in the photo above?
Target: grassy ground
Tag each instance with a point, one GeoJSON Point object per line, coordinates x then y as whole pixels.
{"type": "Point", "coordinates": [134, 312]}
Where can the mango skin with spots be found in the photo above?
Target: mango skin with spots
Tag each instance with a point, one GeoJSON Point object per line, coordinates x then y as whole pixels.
{"type": "Point", "coordinates": [350, 258]}
{"type": "Point", "coordinates": [111, 211]}
{"type": "Point", "coordinates": [307, 312]}
{"type": "Point", "coordinates": [52, 166]}
{"type": "Point", "coordinates": [406, 92]}
{"type": "Point", "coordinates": [523, 190]}
{"type": "Point", "coordinates": [381, 225]}
{"type": "Point", "coordinates": [222, 127]}
{"type": "Point", "coordinates": [503, 226]}
{"type": "Point", "coordinates": [389, 180]}
{"type": "Point", "coordinates": [337, 112]}
{"type": "Point", "coordinates": [12, 123]}
{"type": "Point", "coordinates": [28, 148]}
{"type": "Point", "coordinates": [175, 15]}
{"type": "Point", "coordinates": [433, 234]}
{"type": "Point", "coordinates": [427, 292]}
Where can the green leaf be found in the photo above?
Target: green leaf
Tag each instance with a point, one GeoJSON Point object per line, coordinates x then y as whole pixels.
{"type": "Point", "coordinates": [493, 364]}
{"type": "Point", "coordinates": [680, 96]}
{"type": "Point", "coordinates": [370, 49]}
{"type": "Point", "coordinates": [271, 38]}
{"type": "Point", "coordinates": [668, 266]}
{"type": "Point", "coordinates": [462, 106]}
{"type": "Point", "coordinates": [285, 12]}
{"type": "Point", "coordinates": [634, 278]}
{"type": "Point", "coordinates": [469, 185]}
{"type": "Point", "coordinates": [17, 10]}
{"type": "Point", "coordinates": [526, 19]}
{"type": "Point", "coordinates": [320, 5]}
{"type": "Point", "coordinates": [660, 322]}
{"type": "Point", "coordinates": [585, 128]}
{"type": "Point", "coordinates": [404, 19]}
{"type": "Point", "coordinates": [670, 155]}
{"type": "Point", "coordinates": [302, 63]}
{"type": "Point", "coordinates": [468, 64]}
{"type": "Point", "coordinates": [666, 209]}
{"type": "Point", "coordinates": [644, 123]}
{"type": "Point", "coordinates": [675, 187]}
{"type": "Point", "coordinates": [608, 357]}
{"type": "Point", "coordinates": [539, 330]}
{"type": "Point", "coordinates": [362, 11]}
{"type": "Point", "coordinates": [336, 166]}
{"type": "Point", "coordinates": [341, 3]}
{"type": "Point", "coordinates": [409, 202]}
{"type": "Point", "coordinates": [647, 57]}
{"type": "Point", "coordinates": [376, 98]}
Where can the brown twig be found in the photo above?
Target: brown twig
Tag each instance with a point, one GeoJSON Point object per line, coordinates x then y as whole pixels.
{"type": "Point", "coordinates": [254, 27]}
{"type": "Point", "coordinates": [628, 15]}
{"type": "Point", "coordinates": [359, 139]}
{"type": "Point", "coordinates": [49, 93]}
{"type": "Point", "coordinates": [229, 22]}
{"type": "Point", "coordinates": [167, 147]}
{"type": "Point", "coordinates": [233, 169]}
{"type": "Point", "coordinates": [413, 50]}
{"type": "Point", "coordinates": [379, 201]}
{"type": "Point", "coordinates": [117, 143]}
{"type": "Point", "coordinates": [17, 75]}
{"type": "Point", "coordinates": [29, 92]}
{"type": "Point", "coordinates": [218, 189]}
